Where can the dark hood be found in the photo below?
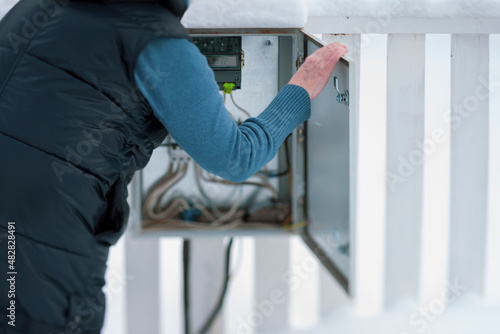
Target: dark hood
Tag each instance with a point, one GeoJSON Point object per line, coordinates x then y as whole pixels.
{"type": "Point", "coordinates": [178, 7]}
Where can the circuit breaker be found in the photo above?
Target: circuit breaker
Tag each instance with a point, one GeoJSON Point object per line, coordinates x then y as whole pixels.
{"type": "Point", "coordinates": [225, 56]}
{"type": "Point", "coordinates": [304, 190]}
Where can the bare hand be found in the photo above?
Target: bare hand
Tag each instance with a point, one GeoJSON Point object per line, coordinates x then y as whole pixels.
{"type": "Point", "coordinates": [314, 74]}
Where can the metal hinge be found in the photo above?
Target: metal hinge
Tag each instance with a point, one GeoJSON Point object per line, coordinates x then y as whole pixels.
{"type": "Point", "coordinates": [341, 98]}
{"type": "Point", "coordinates": [300, 59]}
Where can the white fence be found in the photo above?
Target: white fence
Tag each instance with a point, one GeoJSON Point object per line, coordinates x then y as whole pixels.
{"type": "Point", "coordinates": [427, 198]}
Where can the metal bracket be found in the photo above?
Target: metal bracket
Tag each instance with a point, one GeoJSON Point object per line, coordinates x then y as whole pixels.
{"type": "Point", "coordinates": [342, 248]}
{"type": "Point", "coordinates": [301, 135]}
{"type": "Point", "coordinates": [300, 59]}
{"type": "Point", "coordinates": [341, 98]}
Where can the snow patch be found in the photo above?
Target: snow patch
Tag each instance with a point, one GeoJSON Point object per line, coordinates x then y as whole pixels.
{"type": "Point", "coordinates": [5, 6]}
{"type": "Point", "coordinates": [246, 14]}
{"type": "Point", "coordinates": [404, 8]}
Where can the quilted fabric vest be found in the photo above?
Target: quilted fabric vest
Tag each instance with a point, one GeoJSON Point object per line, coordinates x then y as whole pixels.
{"type": "Point", "coordinates": [74, 127]}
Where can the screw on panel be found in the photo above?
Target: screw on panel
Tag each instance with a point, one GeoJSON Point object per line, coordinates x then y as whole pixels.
{"type": "Point", "coordinates": [268, 42]}
{"type": "Point", "coordinates": [301, 136]}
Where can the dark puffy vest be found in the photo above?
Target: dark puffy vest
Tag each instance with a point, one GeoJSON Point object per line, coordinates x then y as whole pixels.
{"type": "Point", "coordinates": [74, 128]}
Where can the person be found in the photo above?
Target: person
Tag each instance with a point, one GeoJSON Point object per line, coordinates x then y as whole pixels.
{"type": "Point", "coordinates": [88, 89]}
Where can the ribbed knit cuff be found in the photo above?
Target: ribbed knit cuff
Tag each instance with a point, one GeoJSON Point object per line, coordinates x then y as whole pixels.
{"type": "Point", "coordinates": [290, 108]}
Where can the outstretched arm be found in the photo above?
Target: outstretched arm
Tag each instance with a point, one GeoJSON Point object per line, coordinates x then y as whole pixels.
{"type": "Point", "coordinates": [180, 86]}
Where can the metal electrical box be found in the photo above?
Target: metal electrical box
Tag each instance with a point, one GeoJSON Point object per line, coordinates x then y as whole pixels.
{"type": "Point", "coordinates": [305, 190]}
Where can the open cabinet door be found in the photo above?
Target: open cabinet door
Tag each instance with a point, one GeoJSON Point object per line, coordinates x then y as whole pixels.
{"type": "Point", "coordinates": [327, 156]}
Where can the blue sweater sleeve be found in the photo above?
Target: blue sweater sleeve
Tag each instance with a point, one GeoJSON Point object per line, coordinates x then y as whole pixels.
{"type": "Point", "coordinates": [176, 80]}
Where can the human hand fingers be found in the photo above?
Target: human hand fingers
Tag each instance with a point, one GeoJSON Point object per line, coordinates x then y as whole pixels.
{"type": "Point", "coordinates": [314, 74]}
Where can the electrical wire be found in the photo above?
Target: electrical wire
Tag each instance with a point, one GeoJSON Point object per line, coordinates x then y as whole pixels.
{"type": "Point", "coordinates": [175, 224]}
{"type": "Point", "coordinates": [204, 212]}
{"type": "Point", "coordinates": [207, 199]}
{"type": "Point", "coordinates": [288, 164]}
{"type": "Point", "coordinates": [224, 102]}
{"type": "Point", "coordinates": [233, 218]}
{"type": "Point", "coordinates": [266, 184]}
{"type": "Point", "coordinates": [240, 108]}
{"type": "Point", "coordinates": [153, 198]}
{"type": "Point", "coordinates": [297, 225]}
{"type": "Point", "coordinates": [151, 207]}
{"type": "Point", "coordinates": [239, 256]}
{"type": "Point", "coordinates": [231, 225]}
{"type": "Point", "coordinates": [209, 322]}
{"type": "Point", "coordinates": [177, 206]}
{"type": "Point", "coordinates": [186, 259]}
{"type": "Point", "coordinates": [228, 215]}
{"type": "Point", "coordinates": [222, 181]}
{"type": "Point", "coordinates": [150, 203]}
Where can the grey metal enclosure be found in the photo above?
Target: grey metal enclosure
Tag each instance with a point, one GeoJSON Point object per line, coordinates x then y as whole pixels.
{"type": "Point", "coordinates": [304, 190]}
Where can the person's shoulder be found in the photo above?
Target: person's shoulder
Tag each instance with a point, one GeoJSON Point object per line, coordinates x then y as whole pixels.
{"type": "Point", "coordinates": [143, 12]}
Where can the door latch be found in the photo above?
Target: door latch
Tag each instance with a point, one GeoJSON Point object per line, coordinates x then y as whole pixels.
{"type": "Point", "coordinates": [341, 98]}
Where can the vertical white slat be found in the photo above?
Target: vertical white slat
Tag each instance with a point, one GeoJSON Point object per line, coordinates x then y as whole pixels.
{"type": "Point", "coordinates": [469, 158]}
{"type": "Point", "coordinates": [435, 222]}
{"type": "Point", "coordinates": [142, 265]}
{"type": "Point", "coordinates": [492, 273]}
{"type": "Point", "coordinates": [405, 159]}
{"type": "Point", "coordinates": [304, 292]}
{"type": "Point", "coordinates": [354, 108]}
{"type": "Point", "coordinates": [331, 295]}
{"type": "Point", "coordinates": [116, 283]}
{"type": "Point", "coordinates": [270, 312]}
{"type": "Point", "coordinates": [171, 293]}
{"type": "Point", "coordinates": [206, 281]}
{"type": "Point", "coordinates": [371, 184]}
{"type": "Point", "coordinates": [241, 291]}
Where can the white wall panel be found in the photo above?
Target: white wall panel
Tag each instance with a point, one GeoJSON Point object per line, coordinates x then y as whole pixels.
{"type": "Point", "coordinates": [240, 299]}
{"type": "Point", "coordinates": [304, 286]}
{"type": "Point", "coordinates": [435, 223]}
{"type": "Point", "coordinates": [405, 159]}
{"type": "Point", "coordinates": [273, 278]}
{"type": "Point", "coordinates": [171, 312]}
{"type": "Point", "coordinates": [370, 191]}
{"type": "Point", "coordinates": [469, 158]}
{"type": "Point", "coordinates": [492, 277]}
{"type": "Point", "coordinates": [206, 281]}
{"type": "Point", "coordinates": [142, 263]}
{"type": "Point", "coordinates": [116, 284]}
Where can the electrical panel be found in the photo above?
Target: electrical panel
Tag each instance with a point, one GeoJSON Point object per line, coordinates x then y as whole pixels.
{"type": "Point", "coordinates": [225, 57]}
{"type": "Point", "coordinates": [304, 190]}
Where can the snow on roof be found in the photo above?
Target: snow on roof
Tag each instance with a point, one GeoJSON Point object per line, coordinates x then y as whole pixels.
{"type": "Point", "coordinates": [6, 5]}
{"type": "Point", "coordinates": [404, 8]}
{"type": "Point", "coordinates": [294, 13]}
{"type": "Point", "coordinates": [246, 14]}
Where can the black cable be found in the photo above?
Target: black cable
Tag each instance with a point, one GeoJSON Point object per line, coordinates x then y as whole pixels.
{"type": "Point", "coordinates": [288, 163]}
{"type": "Point", "coordinates": [218, 307]}
{"type": "Point", "coordinates": [186, 250]}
